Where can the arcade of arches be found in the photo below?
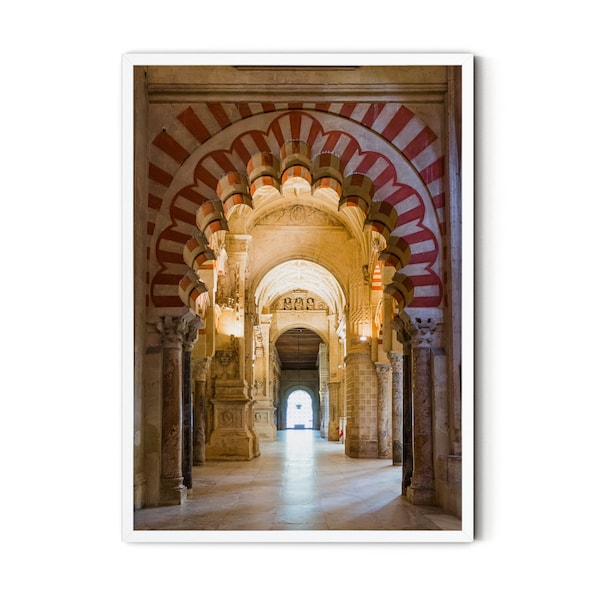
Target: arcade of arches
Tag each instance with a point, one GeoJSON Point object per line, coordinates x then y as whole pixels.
{"type": "Point", "coordinates": [297, 229]}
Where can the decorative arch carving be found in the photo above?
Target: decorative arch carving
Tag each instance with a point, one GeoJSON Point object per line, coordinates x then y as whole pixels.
{"type": "Point", "coordinates": [274, 152]}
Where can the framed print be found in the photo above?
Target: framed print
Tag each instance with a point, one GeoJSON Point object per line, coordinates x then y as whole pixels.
{"type": "Point", "coordinates": [298, 298]}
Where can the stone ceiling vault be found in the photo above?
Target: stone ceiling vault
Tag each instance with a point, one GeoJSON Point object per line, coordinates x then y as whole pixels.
{"type": "Point", "coordinates": [300, 274]}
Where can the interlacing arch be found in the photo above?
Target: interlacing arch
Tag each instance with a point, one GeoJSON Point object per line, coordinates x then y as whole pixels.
{"type": "Point", "coordinates": [300, 149]}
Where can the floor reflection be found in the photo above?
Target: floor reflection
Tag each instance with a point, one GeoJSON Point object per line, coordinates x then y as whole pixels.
{"type": "Point", "coordinates": [299, 482]}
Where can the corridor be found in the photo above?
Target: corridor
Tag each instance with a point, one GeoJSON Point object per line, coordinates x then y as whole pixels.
{"type": "Point", "coordinates": [300, 482]}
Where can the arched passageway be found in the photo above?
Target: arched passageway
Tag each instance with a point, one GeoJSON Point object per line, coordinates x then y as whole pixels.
{"type": "Point", "coordinates": [258, 223]}
{"type": "Point", "coordinates": [297, 361]}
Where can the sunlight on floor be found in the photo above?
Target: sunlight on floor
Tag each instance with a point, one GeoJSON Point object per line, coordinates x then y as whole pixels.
{"type": "Point", "coordinates": [300, 482]}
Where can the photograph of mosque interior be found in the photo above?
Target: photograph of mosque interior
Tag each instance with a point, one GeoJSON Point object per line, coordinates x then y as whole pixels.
{"type": "Point", "coordinates": [297, 298]}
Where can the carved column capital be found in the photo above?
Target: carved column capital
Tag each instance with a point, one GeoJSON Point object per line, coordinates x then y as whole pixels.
{"type": "Point", "coordinates": [396, 360]}
{"type": "Point", "coordinates": [422, 331]}
{"type": "Point", "coordinates": [200, 367]}
{"type": "Point", "coordinates": [190, 334]}
{"type": "Point", "coordinates": [382, 368]}
{"type": "Point", "coordinates": [172, 330]}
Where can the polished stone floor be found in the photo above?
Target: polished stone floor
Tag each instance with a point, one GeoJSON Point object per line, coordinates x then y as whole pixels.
{"type": "Point", "coordinates": [300, 482]}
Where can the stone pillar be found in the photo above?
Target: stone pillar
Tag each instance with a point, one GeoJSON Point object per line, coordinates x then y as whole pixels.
{"type": "Point", "coordinates": [172, 489]}
{"type": "Point", "coordinates": [384, 409]}
{"type": "Point", "coordinates": [233, 436]}
{"type": "Point", "coordinates": [396, 363]}
{"type": "Point", "coordinates": [276, 397]}
{"type": "Point", "coordinates": [324, 390]}
{"type": "Point", "coordinates": [333, 434]}
{"type": "Point", "coordinates": [361, 379]}
{"type": "Point", "coordinates": [189, 338]}
{"type": "Point", "coordinates": [407, 424]}
{"type": "Point", "coordinates": [421, 490]}
{"type": "Point", "coordinates": [186, 393]}
{"type": "Point", "coordinates": [200, 368]}
{"type": "Point", "coordinates": [361, 403]}
{"type": "Point", "coordinates": [264, 410]}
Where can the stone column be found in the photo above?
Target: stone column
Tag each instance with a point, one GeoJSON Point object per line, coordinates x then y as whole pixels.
{"type": "Point", "coordinates": [172, 489]}
{"type": "Point", "coordinates": [186, 393]}
{"type": "Point", "coordinates": [189, 338]}
{"type": "Point", "coordinates": [324, 390]}
{"type": "Point", "coordinates": [334, 411]}
{"type": "Point", "coordinates": [264, 410]}
{"type": "Point", "coordinates": [233, 436]}
{"type": "Point", "coordinates": [361, 403]}
{"type": "Point", "coordinates": [421, 490]}
{"type": "Point", "coordinates": [407, 424]}
{"type": "Point", "coordinates": [361, 380]}
{"type": "Point", "coordinates": [200, 368]}
{"type": "Point", "coordinates": [384, 409]}
{"type": "Point", "coordinates": [396, 363]}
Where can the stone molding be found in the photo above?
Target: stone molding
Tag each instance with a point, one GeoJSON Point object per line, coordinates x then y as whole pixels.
{"type": "Point", "coordinates": [368, 92]}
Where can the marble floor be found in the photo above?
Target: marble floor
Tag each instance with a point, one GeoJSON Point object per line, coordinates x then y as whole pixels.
{"type": "Point", "coordinates": [300, 482]}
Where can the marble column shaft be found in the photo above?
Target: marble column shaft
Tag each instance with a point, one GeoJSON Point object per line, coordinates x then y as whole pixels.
{"type": "Point", "coordinates": [200, 367]}
{"type": "Point", "coordinates": [407, 421]}
{"type": "Point", "coordinates": [187, 418]}
{"type": "Point", "coordinates": [421, 490]}
{"type": "Point", "coordinates": [172, 489]}
{"type": "Point", "coordinates": [397, 364]}
{"type": "Point", "coordinates": [384, 409]}
{"type": "Point", "coordinates": [189, 338]}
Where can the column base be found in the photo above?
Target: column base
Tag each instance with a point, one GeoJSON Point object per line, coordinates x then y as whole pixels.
{"type": "Point", "coordinates": [356, 448]}
{"type": "Point", "coordinates": [232, 446]}
{"type": "Point", "coordinates": [266, 433]}
{"type": "Point", "coordinates": [172, 492]}
{"type": "Point", "coordinates": [139, 491]}
{"type": "Point", "coordinates": [421, 496]}
{"type": "Point", "coordinates": [234, 437]}
{"type": "Point", "coordinates": [264, 426]}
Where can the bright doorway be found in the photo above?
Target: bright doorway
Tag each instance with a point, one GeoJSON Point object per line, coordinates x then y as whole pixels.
{"type": "Point", "coordinates": [299, 410]}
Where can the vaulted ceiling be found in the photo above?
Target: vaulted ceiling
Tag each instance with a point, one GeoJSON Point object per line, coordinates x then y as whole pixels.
{"type": "Point", "coordinates": [300, 274]}
{"type": "Point", "coordinates": [298, 349]}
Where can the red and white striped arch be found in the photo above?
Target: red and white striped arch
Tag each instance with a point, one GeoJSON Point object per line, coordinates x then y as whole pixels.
{"type": "Point", "coordinates": [389, 162]}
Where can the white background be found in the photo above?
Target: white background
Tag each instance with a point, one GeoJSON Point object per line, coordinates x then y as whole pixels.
{"type": "Point", "coordinates": [537, 133]}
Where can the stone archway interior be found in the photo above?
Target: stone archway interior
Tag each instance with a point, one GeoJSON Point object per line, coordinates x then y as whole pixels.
{"type": "Point", "coordinates": [258, 215]}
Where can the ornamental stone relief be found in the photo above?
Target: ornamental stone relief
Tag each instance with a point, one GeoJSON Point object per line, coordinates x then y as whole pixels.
{"type": "Point", "coordinates": [300, 300]}
{"type": "Point", "coordinates": [226, 362]}
{"type": "Point", "coordinates": [299, 215]}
